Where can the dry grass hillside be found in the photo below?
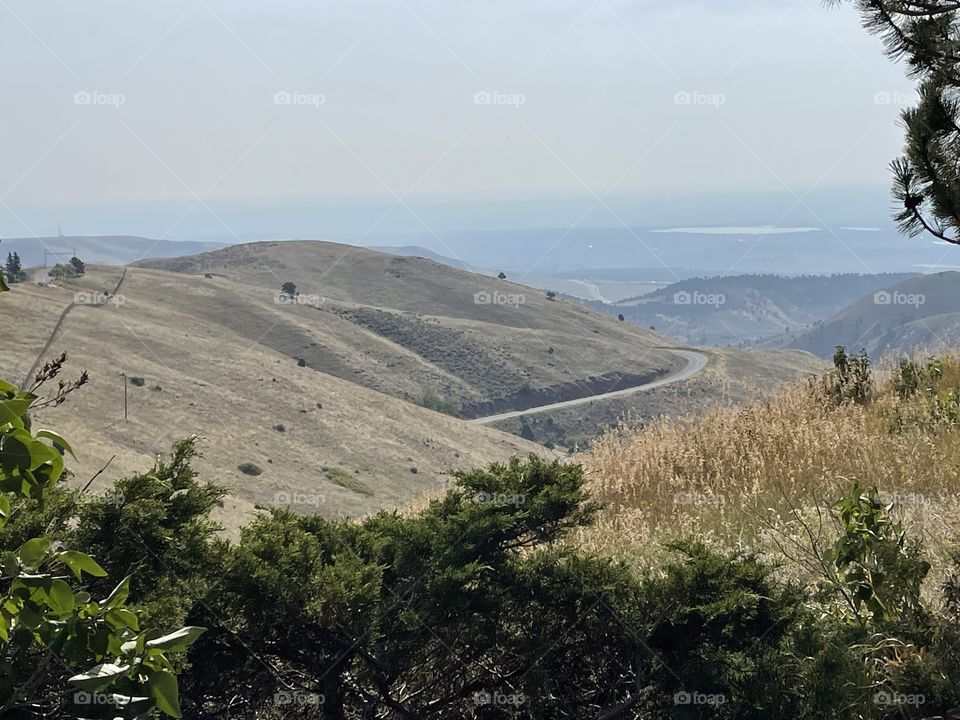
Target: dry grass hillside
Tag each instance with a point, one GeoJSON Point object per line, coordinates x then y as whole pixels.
{"type": "Point", "coordinates": [750, 474]}
{"type": "Point", "coordinates": [311, 397]}
{"type": "Point", "coordinates": [411, 327]}
{"type": "Point", "coordinates": [322, 444]}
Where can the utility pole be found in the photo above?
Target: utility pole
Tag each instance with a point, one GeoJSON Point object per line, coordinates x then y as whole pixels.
{"type": "Point", "coordinates": [124, 376]}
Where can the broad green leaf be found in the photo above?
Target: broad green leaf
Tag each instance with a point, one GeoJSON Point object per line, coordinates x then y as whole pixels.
{"type": "Point", "coordinates": [32, 552]}
{"type": "Point", "coordinates": [57, 440]}
{"type": "Point", "coordinates": [99, 677]}
{"type": "Point", "coordinates": [179, 640]}
{"type": "Point", "coordinates": [12, 410]}
{"type": "Point", "coordinates": [29, 616]}
{"type": "Point", "coordinates": [80, 563]}
{"type": "Point", "coordinates": [163, 688]}
{"type": "Point", "coordinates": [10, 483]}
{"type": "Point", "coordinates": [61, 597]}
{"type": "Point", "coordinates": [40, 453]}
{"type": "Point", "coordinates": [134, 646]}
{"type": "Point", "coordinates": [14, 455]}
{"type": "Point", "coordinates": [9, 565]}
{"type": "Point", "coordinates": [7, 388]}
{"type": "Point", "coordinates": [48, 473]}
{"type": "Point", "coordinates": [119, 595]}
{"type": "Point", "coordinates": [123, 619]}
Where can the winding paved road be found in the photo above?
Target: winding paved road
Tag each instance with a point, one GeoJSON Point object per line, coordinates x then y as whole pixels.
{"type": "Point", "coordinates": [696, 362]}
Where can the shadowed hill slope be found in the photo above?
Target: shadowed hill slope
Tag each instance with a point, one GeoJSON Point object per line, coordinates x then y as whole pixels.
{"type": "Point", "coordinates": [923, 312]}
{"type": "Point", "coordinates": [411, 327]}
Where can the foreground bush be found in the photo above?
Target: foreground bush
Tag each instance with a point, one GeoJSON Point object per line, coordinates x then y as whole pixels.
{"type": "Point", "coordinates": [483, 604]}
{"type": "Point", "coordinates": [479, 607]}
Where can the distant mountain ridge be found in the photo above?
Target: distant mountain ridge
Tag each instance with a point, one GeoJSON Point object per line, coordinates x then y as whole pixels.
{"type": "Point", "coordinates": [99, 249]}
{"type": "Point", "coordinates": [419, 251]}
{"type": "Point", "coordinates": [744, 308]}
{"type": "Point", "coordinates": [921, 313]}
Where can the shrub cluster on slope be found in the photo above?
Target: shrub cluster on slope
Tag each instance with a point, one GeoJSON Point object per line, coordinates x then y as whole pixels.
{"type": "Point", "coordinates": [479, 606]}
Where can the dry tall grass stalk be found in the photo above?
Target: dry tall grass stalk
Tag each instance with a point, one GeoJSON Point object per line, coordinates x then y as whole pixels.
{"type": "Point", "coordinates": [735, 473]}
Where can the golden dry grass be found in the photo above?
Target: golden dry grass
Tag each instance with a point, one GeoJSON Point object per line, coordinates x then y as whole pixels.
{"type": "Point", "coordinates": [736, 476]}
{"type": "Point", "coordinates": [202, 377]}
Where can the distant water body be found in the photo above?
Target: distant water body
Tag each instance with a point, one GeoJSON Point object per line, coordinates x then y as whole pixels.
{"type": "Point", "coordinates": [761, 230]}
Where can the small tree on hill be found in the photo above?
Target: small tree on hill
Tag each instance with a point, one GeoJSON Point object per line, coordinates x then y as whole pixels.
{"type": "Point", "coordinates": [59, 271]}
{"type": "Point", "coordinates": [79, 267]}
{"type": "Point", "coordinates": [289, 288]}
{"type": "Point", "coordinates": [502, 276]}
{"type": "Point", "coordinates": [13, 269]}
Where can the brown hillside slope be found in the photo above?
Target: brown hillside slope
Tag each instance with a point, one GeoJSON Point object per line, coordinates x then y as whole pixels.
{"type": "Point", "coordinates": [409, 326]}
{"type": "Point", "coordinates": [325, 444]}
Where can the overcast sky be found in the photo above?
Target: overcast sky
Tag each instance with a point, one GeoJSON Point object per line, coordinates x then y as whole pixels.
{"type": "Point", "coordinates": [113, 103]}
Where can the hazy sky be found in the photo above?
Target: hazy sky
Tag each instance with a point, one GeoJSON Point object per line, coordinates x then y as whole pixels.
{"type": "Point", "coordinates": [133, 102]}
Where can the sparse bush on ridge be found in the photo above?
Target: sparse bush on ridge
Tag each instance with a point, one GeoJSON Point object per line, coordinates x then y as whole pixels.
{"type": "Point", "coordinates": [850, 380]}
{"type": "Point", "coordinates": [341, 478]}
{"type": "Point", "coordinates": [432, 401]}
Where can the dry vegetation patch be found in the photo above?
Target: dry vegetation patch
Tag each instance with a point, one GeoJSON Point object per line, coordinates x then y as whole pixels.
{"type": "Point", "coordinates": [751, 474]}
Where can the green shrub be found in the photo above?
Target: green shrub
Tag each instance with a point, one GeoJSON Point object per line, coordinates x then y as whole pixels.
{"type": "Point", "coordinates": [344, 479]}
{"type": "Point", "coordinates": [446, 405]}
{"type": "Point", "coordinates": [850, 380]}
{"type": "Point", "coordinates": [480, 598]}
